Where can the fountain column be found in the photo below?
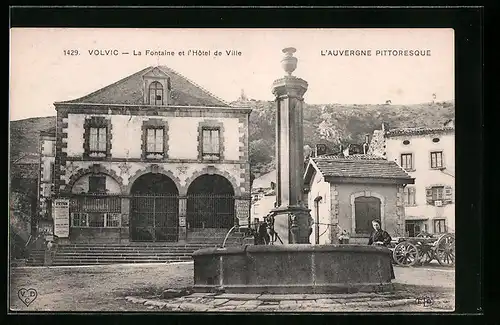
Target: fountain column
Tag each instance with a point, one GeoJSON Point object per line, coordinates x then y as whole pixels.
{"type": "Point", "coordinates": [292, 218]}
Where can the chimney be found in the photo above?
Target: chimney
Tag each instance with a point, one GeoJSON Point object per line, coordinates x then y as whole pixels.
{"type": "Point", "coordinates": [366, 144]}
{"type": "Point", "coordinates": [320, 149]}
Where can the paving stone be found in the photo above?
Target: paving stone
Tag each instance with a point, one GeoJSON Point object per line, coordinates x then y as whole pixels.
{"type": "Point", "coordinates": [201, 294]}
{"type": "Point", "coordinates": [192, 307]}
{"type": "Point", "coordinates": [267, 308]}
{"type": "Point", "coordinates": [401, 302]}
{"type": "Point", "coordinates": [222, 308]}
{"type": "Point", "coordinates": [135, 300]}
{"type": "Point", "coordinates": [234, 303]}
{"type": "Point", "coordinates": [315, 296]}
{"type": "Point", "coordinates": [172, 293]}
{"type": "Point", "coordinates": [360, 299]}
{"type": "Point", "coordinates": [326, 301]}
{"type": "Point", "coordinates": [356, 304]}
{"type": "Point", "coordinates": [270, 302]}
{"type": "Point", "coordinates": [217, 302]}
{"type": "Point", "coordinates": [252, 302]}
{"type": "Point", "coordinates": [155, 303]}
{"type": "Point", "coordinates": [288, 302]}
{"type": "Point", "coordinates": [377, 304]}
{"type": "Point", "coordinates": [238, 296]}
{"type": "Point", "coordinates": [281, 297]}
{"type": "Point", "coordinates": [171, 307]}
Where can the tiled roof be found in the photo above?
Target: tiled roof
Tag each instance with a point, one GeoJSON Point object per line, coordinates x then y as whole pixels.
{"type": "Point", "coordinates": [350, 157]}
{"type": "Point", "coordinates": [129, 91]}
{"type": "Point", "coordinates": [419, 131]}
{"type": "Point", "coordinates": [50, 131]}
{"type": "Point", "coordinates": [360, 166]}
{"type": "Point", "coordinates": [24, 170]}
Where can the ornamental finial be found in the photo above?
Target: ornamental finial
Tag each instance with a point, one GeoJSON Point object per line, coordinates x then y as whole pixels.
{"type": "Point", "coordinates": [289, 62]}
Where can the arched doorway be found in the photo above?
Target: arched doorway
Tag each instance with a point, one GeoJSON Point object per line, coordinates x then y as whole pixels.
{"type": "Point", "coordinates": [154, 209]}
{"type": "Point", "coordinates": [367, 208]}
{"type": "Point", "coordinates": [210, 202]}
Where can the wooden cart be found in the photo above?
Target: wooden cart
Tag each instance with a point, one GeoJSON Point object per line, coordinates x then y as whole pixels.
{"type": "Point", "coordinates": [420, 250]}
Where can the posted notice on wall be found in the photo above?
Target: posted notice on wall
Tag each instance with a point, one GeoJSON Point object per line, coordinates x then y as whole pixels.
{"type": "Point", "coordinates": [61, 217]}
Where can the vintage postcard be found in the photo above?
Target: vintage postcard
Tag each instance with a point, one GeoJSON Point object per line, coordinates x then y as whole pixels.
{"type": "Point", "coordinates": [232, 170]}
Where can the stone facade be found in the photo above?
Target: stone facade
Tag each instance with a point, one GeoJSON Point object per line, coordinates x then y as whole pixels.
{"type": "Point", "coordinates": [46, 174]}
{"type": "Point", "coordinates": [422, 214]}
{"type": "Point", "coordinates": [332, 200]}
{"type": "Point", "coordinates": [125, 159]}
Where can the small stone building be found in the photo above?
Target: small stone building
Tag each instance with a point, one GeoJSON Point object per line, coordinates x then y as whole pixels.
{"type": "Point", "coordinates": [347, 193]}
{"type": "Point", "coordinates": [152, 157]}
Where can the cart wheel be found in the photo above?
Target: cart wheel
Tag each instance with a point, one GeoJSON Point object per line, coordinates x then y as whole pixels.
{"type": "Point", "coordinates": [426, 257]}
{"type": "Point", "coordinates": [445, 250]}
{"type": "Point", "coordinates": [405, 254]}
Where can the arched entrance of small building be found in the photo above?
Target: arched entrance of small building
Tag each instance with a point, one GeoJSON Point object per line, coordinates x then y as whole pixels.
{"type": "Point", "coordinates": [367, 208]}
{"type": "Point", "coordinates": [154, 209]}
{"type": "Point", "coordinates": [210, 202]}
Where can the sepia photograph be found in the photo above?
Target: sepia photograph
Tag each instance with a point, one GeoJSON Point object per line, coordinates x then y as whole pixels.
{"type": "Point", "coordinates": [232, 170]}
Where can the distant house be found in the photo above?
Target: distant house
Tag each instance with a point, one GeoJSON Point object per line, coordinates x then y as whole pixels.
{"type": "Point", "coordinates": [428, 155]}
{"type": "Point", "coordinates": [263, 195]}
{"type": "Point", "coordinates": [347, 193]}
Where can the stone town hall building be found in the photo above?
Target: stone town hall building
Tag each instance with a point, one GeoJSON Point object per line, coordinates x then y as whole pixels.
{"type": "Point", "coordinates": [152, 157]}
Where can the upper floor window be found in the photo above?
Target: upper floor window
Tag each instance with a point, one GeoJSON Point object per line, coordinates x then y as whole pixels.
{"type": "Point", "coordinates": [435, 195]}
{"type": "Point", "coordinates": [155, 93]}
{"type": "Point", "coordinates": [97, 184]}
{"type": "Point", "coordinates": [409, 196]}
{"type": "Point", "coordinates": [437, 159]}
{"type": "Point", "coordinates": [154, 139]}
{"type": "Point", "coordinates": [98, 140]}
{"type": "Point", "coordinates": [211, 143]}
{"type": "Point", "coordinates": [407, 161]}
{"type": "Point", "coordinates": [97, 137]}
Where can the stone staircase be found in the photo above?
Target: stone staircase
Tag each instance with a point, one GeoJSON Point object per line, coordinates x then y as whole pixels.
{"type": "Point", "coordinates": [96, 254]}
{"type": "Point", "coordinates": [36, 257]}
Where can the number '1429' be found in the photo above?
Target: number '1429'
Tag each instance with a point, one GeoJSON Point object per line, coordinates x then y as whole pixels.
{"type": "Point", "coordinates": [71, 52]}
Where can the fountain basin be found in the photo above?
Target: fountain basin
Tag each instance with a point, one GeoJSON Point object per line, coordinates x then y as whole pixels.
{"type": "Point", "coordinates": [298, 268]}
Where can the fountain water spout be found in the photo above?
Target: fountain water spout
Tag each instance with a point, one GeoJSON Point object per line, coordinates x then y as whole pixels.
{"type": "Point", "coordinates": [227, 235]}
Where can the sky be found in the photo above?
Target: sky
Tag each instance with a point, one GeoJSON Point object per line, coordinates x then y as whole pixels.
{"type": "Point", "coordinates": [41, 73]}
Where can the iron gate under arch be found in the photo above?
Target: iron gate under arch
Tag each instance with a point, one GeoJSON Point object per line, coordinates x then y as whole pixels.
{"type": "Point", "coordinates": [154, 217]}
{"type": "Point", "coordinates": [210, 211]}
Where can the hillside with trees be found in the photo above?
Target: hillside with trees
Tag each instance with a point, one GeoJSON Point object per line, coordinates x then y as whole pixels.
{"type": "Point", "coordinates": [335, 124]}
{"type": "Point", "coordinates": [331, 124]}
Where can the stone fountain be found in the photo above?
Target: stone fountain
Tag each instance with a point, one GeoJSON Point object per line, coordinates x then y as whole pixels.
{"type": "Point", "coordinates": [296, 266]}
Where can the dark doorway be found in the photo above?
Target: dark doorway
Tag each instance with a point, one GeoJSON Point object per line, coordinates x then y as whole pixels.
{"type": "Point", "coordinates": [154, 209]}
{"type": "Point", "coordinates": [210, 202]}
{"type": "Point", "coordinates": [367, 208]}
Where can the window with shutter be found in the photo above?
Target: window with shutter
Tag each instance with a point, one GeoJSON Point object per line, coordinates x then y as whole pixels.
{"type": "Point", "coordinates": [448, 194]}
{"type": "Point", "coordinates": [409, 196]}
{"type": "Point", "coordinates": [439, 193]}
{"type": "Point", "coordinates": [428, 195]}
